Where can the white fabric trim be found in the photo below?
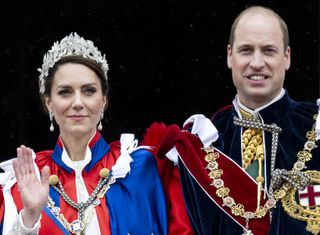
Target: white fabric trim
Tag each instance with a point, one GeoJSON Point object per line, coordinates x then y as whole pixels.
{"type": "Point", "coordinates": [237, 104]}
{"type": "Point", "coordinates": [203, 128]}
{"type": "Point", "coordinates": [35, 227]}
{"type": "Point", "coordinates": [318, 121]}
{"type": "Point", "coordinates": [173, 156]}
{"type": "Point", "coordinates": [122, 166]}
{"type": "Point", "coordinates": [19, 229]}
{"type": "Point", "coordinates": [67, 160]}
{"type": "Point", "coordinates": [7, 180]}
{"type": "Point", "coordinates": [81, 190]}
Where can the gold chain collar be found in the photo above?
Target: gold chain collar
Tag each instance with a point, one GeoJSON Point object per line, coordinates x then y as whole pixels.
{"type": "Point", "coordinates": [222, 191]}
{"type": "Point", "coordinates": [238, 209]}
{"type": "Point", "coordinates": [78, 226]}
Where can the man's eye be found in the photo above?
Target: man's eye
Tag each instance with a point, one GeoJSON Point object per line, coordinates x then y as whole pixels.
{"type": "Point", "coordinates": [245, 50]}
{"type": "Point", "coordinates": [270, 51]}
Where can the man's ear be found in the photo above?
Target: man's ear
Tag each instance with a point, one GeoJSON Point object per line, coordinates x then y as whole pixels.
{"type": "Point", "coordinates": [287, 56]}
{"type": "Point", "coordinates": [229, 56]}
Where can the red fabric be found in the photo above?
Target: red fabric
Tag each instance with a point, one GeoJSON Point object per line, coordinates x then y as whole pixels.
{"type": "Point", "coordinates": [68, 181]}
{"type": "Point", "coordinates": [1, 205]}
{"type": "Point", "coordinates": [162, 138]}
{"type": "Point", "coordinates": [189, 148]}
{"type": "Point", "coordinates": [221, 110]}
{"type": "Point", "coordinates": [49, 228]}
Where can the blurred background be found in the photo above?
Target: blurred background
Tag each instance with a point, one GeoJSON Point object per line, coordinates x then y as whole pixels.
{"type": "Point", "coordinates": [167, 59]}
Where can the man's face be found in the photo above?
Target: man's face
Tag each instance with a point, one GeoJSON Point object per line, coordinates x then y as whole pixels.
{"type": "Point", "coordinates": [257, 59]}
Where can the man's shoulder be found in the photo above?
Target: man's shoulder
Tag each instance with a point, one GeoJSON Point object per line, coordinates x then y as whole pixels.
{"type": "Point", "coordinates": [222, 114]}
{"type": "Point", "coordinates": [307, 105]}
{"type": "Point", "coordinates": [304, 109]}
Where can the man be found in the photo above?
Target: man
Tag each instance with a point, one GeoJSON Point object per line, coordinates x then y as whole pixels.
{"type": "Point", "coordinates": [254, 169]}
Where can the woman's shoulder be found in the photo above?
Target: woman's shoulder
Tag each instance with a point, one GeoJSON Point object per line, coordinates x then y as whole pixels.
{"type": "Point", "coordinates": [142, 152]}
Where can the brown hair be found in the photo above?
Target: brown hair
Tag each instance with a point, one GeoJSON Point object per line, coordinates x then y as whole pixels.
{"type": "Point", "coordinates": [76, 60]}
{"type": "Point", "coordinates": [283, 25]}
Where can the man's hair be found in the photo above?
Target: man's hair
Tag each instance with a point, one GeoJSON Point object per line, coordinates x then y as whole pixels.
{"type": "Point", "coordinates": [283, 25]}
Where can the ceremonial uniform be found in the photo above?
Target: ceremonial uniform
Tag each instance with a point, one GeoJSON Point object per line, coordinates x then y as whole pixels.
{"type": "Point", "coordinates": [221, 197]}
{"type": "Point", "coordinates": [132, 203]}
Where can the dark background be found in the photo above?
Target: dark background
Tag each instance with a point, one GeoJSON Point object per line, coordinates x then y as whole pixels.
{"type": "Point", "coordinates": [167, 59]}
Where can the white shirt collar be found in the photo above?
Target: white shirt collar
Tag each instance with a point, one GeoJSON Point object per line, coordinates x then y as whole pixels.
{"type": "Point", "coordinates": [237, 104]}
{"type": "Point", "coordinates": [87, 158]}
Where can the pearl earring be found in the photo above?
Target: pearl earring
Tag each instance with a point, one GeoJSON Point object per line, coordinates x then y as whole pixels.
{"type": "Point", "coordinates": [51, 120]}
{"type": "Point", "coordinates": [100, 123]}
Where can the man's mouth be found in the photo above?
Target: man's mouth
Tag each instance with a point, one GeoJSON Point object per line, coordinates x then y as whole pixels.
{"type": "Point", "coordinates": [257, 77]}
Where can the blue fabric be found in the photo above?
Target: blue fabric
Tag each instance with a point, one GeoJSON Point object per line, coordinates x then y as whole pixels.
{"type": "Point", "coordinates": [55, 196]}
{"type": "Point", "coordinates": [56, 157]}
{"type": "Point", "coordinates": [136, 215]}
{"type": "Point", "coordinates": [56, 221]}
{"type": "Point", "coordinates": [295, 119]}
{"type": "Point", "coordinates": [1, 225]}
{"type": "Point", "coordinates": [136, 203]}
{"type": "Point", "coordinates": [98, 150]}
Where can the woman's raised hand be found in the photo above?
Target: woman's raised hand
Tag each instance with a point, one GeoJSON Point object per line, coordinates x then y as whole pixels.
{"type": "Point", "coordinates": [33, 192]}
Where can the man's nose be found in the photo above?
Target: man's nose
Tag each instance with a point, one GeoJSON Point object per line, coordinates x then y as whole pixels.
{"type": "Point", "coordinates": [257, 60]}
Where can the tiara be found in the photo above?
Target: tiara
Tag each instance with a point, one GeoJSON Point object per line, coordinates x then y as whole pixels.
{"type": "Point", "coordinates": [72, 45]}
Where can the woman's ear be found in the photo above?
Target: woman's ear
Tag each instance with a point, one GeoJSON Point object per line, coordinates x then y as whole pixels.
{"type": "Point", "coordinates": [105, 103]}
{"type": "Point", "coordinates": [48, 102]}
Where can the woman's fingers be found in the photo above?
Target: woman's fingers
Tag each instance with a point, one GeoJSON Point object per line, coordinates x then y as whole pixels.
{"type": "Point", "coordinates": [20, 158]}
{"type": "Point", "coordinates": [45, 173]}
{"type": "Point", "coordinates": [25, 160]}
{"type": "Point", "coordinates": [17, 170]}
{"type": "Point", "coordinates": [29, 161]}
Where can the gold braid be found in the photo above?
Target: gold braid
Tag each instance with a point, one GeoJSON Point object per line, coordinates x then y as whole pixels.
{"type": "Point", "coordinates": [253, 149]}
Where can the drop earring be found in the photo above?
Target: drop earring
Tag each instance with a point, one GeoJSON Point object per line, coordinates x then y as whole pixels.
{"type": "Point", "coordinates": [51, 120]}
{"type": "Point", "coordinates": [100, 123]}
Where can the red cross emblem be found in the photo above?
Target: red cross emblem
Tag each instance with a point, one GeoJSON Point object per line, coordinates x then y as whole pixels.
{"type": "Point", "coordinates": [310, 196]}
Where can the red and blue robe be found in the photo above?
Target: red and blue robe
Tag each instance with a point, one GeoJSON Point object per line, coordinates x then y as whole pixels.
{"type": "Point", "coordinates": [133, 205]}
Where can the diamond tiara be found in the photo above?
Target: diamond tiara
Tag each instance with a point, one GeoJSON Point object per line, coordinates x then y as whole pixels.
{"type": "Point", "coordinates": [72, 45]}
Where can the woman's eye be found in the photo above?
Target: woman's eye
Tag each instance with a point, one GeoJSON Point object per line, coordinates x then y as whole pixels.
{"type": "Point", "coordinates": [90, 90]}
{"type": "Point", "coordinates": [64, 92]}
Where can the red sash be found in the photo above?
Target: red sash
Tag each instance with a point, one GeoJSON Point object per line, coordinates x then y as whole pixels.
{"type": "Point", "coordinates": [242, 187]}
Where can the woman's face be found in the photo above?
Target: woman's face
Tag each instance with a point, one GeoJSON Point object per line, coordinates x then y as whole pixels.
{"type": "Point", "coordinates": [76, 99]}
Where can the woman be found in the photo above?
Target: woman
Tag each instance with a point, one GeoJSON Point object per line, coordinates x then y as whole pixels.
{"type": "Point", "coordinates": [92, 187]}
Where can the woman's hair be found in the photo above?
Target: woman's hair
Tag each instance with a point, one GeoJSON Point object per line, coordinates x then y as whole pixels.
{"type": "Point", "coordinates": [71, 49]}
{"type": "Point", "coordinates": [94, 66]}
